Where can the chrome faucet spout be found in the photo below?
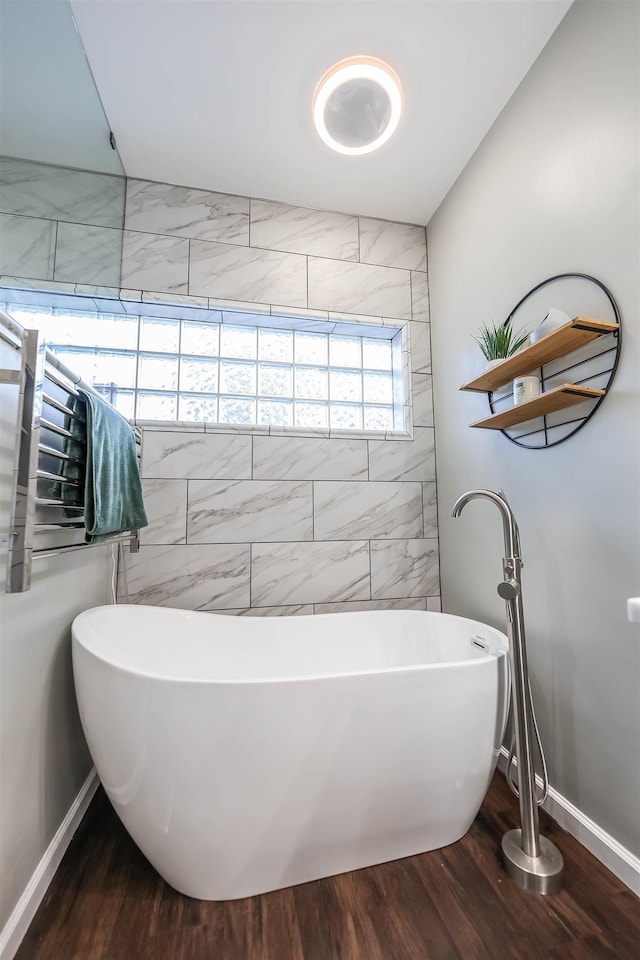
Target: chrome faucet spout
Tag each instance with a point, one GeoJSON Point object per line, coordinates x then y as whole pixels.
{"type": "Point", "coordinates": [509, 525]}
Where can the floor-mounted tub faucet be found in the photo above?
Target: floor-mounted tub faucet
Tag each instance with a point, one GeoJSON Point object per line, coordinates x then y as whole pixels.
{"type": "Point", "coordinates": [533, 861]}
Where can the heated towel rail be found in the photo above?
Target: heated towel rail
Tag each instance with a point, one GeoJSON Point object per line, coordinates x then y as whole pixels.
{"type": "Point", "coordinates": [48, 512]}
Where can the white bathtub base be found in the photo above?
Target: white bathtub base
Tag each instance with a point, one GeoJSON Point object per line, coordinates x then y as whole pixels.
{"type": "Point", "coordinates": [236, 786]}
{"type": "Point", "coordinates": [306, 867]}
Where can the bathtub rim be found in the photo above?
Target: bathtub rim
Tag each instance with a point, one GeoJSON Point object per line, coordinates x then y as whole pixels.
{"type": "Point", "coordinates": [502, 651]}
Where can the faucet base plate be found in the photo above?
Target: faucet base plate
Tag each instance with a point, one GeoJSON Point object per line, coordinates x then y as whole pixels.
{"type": "Point", "coordinates": [542, 874]}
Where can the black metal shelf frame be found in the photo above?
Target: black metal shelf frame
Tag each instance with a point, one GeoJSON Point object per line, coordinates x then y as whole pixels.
{"type": "Point", "coordinates": [496, 400]}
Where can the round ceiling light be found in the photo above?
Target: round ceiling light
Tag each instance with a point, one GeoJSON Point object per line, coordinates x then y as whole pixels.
{"type": "Point", "coordinates": [357, 105]}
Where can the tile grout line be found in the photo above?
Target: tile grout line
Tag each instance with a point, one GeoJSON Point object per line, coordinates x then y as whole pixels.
{"type": "Point", "coordinates": [186, 514]}
{"type": "Point", "coordinates": [55, 248]}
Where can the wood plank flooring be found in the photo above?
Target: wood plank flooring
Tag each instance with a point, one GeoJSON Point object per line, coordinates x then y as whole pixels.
{"type": "Point", "coordinates": [107, 903]}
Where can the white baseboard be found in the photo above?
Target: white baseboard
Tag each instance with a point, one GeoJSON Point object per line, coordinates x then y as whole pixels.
{"type": "Point", "coordinates": [601, 844]}
{"type": "Point", "coordinates": [24, 911]}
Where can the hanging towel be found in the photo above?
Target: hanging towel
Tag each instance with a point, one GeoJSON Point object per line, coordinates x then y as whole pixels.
{"type": "Point", "coordinates": [112, 491]}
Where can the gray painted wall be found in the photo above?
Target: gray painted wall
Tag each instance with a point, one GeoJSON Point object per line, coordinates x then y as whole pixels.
{"type": "Point", "coordinates": [553, 188]}
{"type": "Point", "coordinates": [43, 755]}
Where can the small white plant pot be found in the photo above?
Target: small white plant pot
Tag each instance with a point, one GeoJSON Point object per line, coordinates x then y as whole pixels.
{"type": "Point", "coordinates": [554, 319]}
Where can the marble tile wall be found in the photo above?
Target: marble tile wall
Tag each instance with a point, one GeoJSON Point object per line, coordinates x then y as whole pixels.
{"type": "Point", "coordinates": [261, 524]}
{"type": "Point", "coordinates": [254, 251]}
{"type": "Point", "coordinates": [58, 224]}
{"type": "Point", "coordinates": [292, 525]}
{"type": "Point", "coordinates": [256, 521]}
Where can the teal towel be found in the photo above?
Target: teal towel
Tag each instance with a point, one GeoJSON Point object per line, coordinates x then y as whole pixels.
{"type": "Point", "coordinates": [113, 490]}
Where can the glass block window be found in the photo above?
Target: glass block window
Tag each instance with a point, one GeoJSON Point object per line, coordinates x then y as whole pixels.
{"type": "Point", "coordinates": [179, 368]}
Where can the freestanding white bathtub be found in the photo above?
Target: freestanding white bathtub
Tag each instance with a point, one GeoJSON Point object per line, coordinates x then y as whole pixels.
{"type": "Point", "coordinates": [248, 754]}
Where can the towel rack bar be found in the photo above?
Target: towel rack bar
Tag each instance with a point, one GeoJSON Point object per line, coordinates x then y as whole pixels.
{"type": "Point", "coordinates": [48, 425]}
{"type": "Point", "coordinates": [63, 408]}
{"type": "Point", "coordinates": [45, 475]}
{"type": "Point", "coordinates": [62, 525]}
{"type": "Point", "coordinates": [52, 452]}
{"type": "Point", "coordinates": [56, 371]}
{"type": "Point", "coordinates": [53, 502]}
{"type": "Point", "coordinates": [10, 331]}
{"type": "Point", "coordinates": [54, 551]}
{"type": "Point", "coordinates": [8, 339]}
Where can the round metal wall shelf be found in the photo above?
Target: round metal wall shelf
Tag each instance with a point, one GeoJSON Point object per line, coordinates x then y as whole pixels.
{"type": "Point", "coordinates": [591, 365]}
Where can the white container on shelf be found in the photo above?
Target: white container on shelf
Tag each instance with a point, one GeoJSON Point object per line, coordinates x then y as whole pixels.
{"type": "Point", "coordinates": [525, 388]}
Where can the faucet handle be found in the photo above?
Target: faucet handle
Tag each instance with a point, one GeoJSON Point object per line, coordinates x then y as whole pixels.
{"type": "Point", "coordinates": [509, 589]}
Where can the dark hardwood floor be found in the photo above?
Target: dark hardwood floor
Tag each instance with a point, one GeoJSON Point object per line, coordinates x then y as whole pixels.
{"type": "Point", "coordinates": [107, 903]}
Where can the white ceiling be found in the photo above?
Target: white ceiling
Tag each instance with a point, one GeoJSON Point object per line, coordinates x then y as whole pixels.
{"type": "Point", "coordinates": [217, 95]}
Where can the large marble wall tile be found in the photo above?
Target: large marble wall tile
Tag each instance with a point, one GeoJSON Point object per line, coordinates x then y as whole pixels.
{"type": "Point", "coordinates": [292, 458]}
{"type": "Point", "coordinates": [404, 459]}
{"type": "Point", "coordinates": [60, 193]}
{"type": "Point", "coordinates": [292, 610]}
{"type": "Point", "coordinates": [434, 604]}
{"type": "Point", "coordinates": [166, 505]}
{"type": "Point", "coordinates": [156, 263]}
{"type": "Point", "coordinates": [277, 226]}
{"type": "Point", "coordinates": [404, 603]}
{"type": "Point", "coordinates": [284, 573]}
{"type": "Point", "coordinates": [430, 508]}
{"type": "Point", "coordinates": [420, 334]}
{"type": "Point", "coordinates": [197, 456]}
{"type": "Point", "coordinates": [185, 212]}
{"type": "Point", "coordinates": [364, 510]}
{"type": "Point", "coordinates": [420, 297]}
{"type": "Point", "coordinates": [243, 511]}
{"type": "Point", "coordinates": [239, 273]}
{"type": "Point", "coordinates": [26, 247]}
{"type": "Point", "coordinates": [359, 288]}
{"type": "Point", "coordinates": [393, 244]}
{"type": "Point", "coordinates": [193, 577]}
{"type": "Point", "coordinates": [422, 399]}
{"type": "Point", "coordinates": [404, 568]}
{"type": "Point", "coordinates": [86, 254]}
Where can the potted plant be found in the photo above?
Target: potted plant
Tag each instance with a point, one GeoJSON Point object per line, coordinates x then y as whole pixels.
{"type": "Point", "coordinates": [499, 341]}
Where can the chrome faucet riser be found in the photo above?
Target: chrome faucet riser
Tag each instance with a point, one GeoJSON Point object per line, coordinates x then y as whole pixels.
{"type": "Point", "coordinates": [533, 861]}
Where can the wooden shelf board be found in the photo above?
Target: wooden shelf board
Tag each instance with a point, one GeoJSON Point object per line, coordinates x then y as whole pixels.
{"type": "Point", "coordinates": [569, 337]}
{"type": "Point", "coordinates": [564, 396]}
